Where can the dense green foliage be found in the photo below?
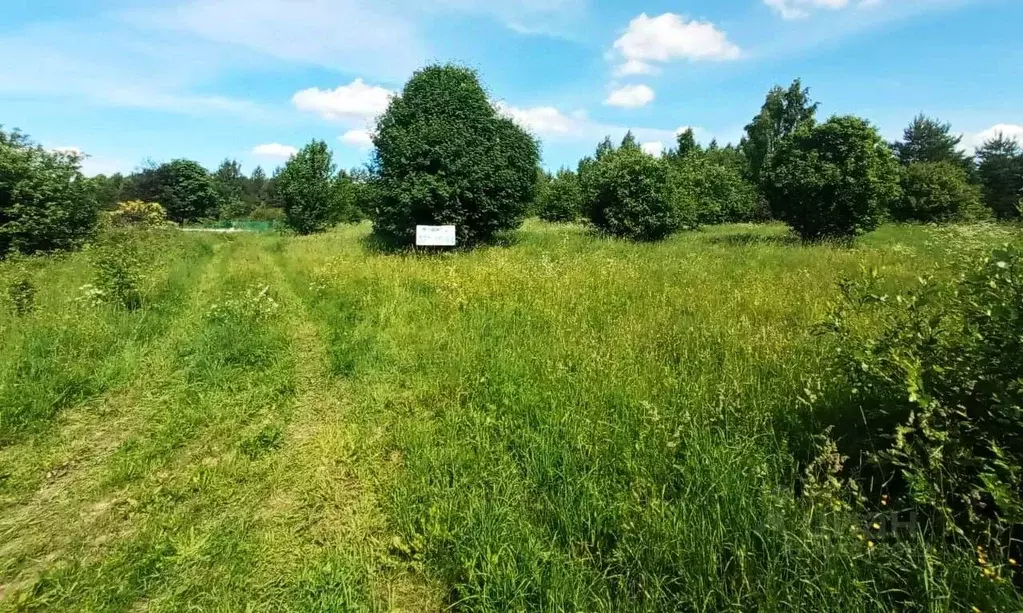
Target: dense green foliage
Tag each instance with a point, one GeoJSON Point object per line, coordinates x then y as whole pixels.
{"type": "Point", "coordinates": [45, 203]}
{"type": "Point", "coordinates": [313, 195]}
{"type": "Point", "coordinates": [1000, 170]}
{"type": "Point", "coordinates": [185, 189]}
{"type": "Point", "coordinates": [230, 184]}
{"type": "Point", "coordinates": [560, 199]}
{"type": "Point", "coordinates": [835, 180]}
{"type": "Point", "coordinates": [445, 156]}
{"type": "Point", "coordinates": [784, 112]}
{"type": "Point", "coordinates": [716, 190]}
{"type": "Point", "coordinates": [937, 192]}
{"type": "Point", "coordinates": [632, 195]}
{"type": "Point", "coordinates": [936, 411]}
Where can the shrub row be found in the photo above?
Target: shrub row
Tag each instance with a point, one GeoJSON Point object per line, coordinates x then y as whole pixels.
{"type": "Point", "coordinates": [444, 154]}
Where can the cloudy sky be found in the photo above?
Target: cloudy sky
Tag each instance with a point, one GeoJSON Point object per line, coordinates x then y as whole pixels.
{"type": "Point", "coordinates": [129, 80]}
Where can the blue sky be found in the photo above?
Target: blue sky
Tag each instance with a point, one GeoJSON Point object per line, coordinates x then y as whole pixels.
{"type": "Point", "coordinates": [129, 80]}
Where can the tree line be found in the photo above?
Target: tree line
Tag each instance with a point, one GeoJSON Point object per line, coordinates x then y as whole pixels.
{"type": "Point", "coordinates": [445, 155]}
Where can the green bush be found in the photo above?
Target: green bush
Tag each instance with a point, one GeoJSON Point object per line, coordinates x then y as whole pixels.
{"type": "Point", "coordinates": [445, 156]}
{"type": "Point", "coordinates": [137, 214]}
{"type": "Point", "coordinates": [184, 188]}
{"type": "Point", "coordinates": [45, 203]}
{"type": "Point", "coordinates": [718, 192]}
{"type": "Point", "coordinates": [634, 197]}
{"type": "Point", "coordinates": [119, 271]}
{"type": "Point", "coordinates": [312, 195]}
{"type": "Point", "coordinates": [836, 180]}
{"type": "Point", "coordinates": [936, 386]}
{"type": "Point", "coordinates": [938, 192]}
{"type": "Point", "coordinates": [561, 199]}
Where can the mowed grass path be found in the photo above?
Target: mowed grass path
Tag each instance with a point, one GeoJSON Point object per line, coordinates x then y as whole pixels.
{"type": "Point", "coordinates": [565, 423]}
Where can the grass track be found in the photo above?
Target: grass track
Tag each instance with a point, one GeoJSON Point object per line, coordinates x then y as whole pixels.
{"type": "Point", "coordinates": [564, 424]}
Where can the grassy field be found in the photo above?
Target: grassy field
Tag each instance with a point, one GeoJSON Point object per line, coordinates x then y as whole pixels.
{"type": "Point", "coordinates": [564, 424]}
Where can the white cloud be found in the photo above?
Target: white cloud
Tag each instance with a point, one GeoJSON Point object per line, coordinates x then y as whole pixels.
{"type": "Point", "coordinates": [801, 9]}
{"type": "Point", "coordinates": [362, 139]}
{"type": "Point", "coordinates": [543, 120]}
{"type": "Point", "coordinates": [353, 101]}
{"type": "Point", "coordinates": [654, 148]}
{"type": "Point", "coordinates": [636, 67]}
{"type": "Point", "coordinates": [973, 140]}
{"type": "Point", "coordinates": [274, 150]}
{"type": "Point", "coordinates": [671, 37]}
{"type": "Point", "coordinates": [630, 96]}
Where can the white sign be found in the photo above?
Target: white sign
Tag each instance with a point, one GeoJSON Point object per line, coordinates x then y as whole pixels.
{"type": "Point", "coordinates": [435, 236]}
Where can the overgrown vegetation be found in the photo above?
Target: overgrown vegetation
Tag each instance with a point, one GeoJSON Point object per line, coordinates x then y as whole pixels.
{"type": "Point", "coordinates": [45, 204]}
{"type": "Point", "coordinates": [933, 403]}
{"type": "Point", "coordinates": [569, 423]}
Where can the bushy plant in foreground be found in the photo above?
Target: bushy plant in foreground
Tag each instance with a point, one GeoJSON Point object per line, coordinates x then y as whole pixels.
{"type": "Point", "coordinates": [633, 196]}
{"type": "Point", "coordinates": [836, 180]}
{"type": "Point", "coordinates": [561, 198]}
{"type": "Point", "coordinates": [445, 156]}
{"type": "Point", "coordinates": [938, 192]}
{"type": "Point", "coordinates": [936, 382]}
{"type": "Point", "coordinates": [119, 271]}
{"type": "Point", "coordinates": [45, 203]}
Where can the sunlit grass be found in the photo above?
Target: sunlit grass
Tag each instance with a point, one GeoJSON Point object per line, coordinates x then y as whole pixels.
{"type": "Point", "coordinates": [565, 423]}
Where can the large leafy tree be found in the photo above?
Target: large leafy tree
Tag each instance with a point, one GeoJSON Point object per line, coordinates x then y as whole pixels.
{"type": "Point", "coordinates": [1000, 170]}
{"type": "Point", "coordinates": [784, 111]}
{"type": "Point", "coordinates": [185, 189]}
{"type": "Point", "coordinates": [929, 140]}
{"type": "Point", "coordinates": [833, 181]}
{"type": "Point", "coordinates": [45, 202]}
{"type": "Point", "coordinates": [444, 155]}
{"type": "Point", "coordinates": [312, 194]}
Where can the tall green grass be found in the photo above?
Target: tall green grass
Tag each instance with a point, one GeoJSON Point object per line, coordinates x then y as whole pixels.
{"type": "Point", "coordinates": [566, 423]}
